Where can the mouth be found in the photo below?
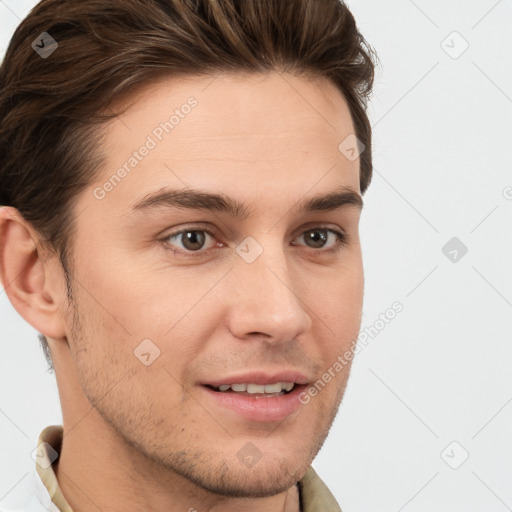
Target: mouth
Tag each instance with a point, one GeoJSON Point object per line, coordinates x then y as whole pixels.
{"type": "Point", "coordinates": [256, 396]}
{"type": "Point", "coordinates": [256, 390]}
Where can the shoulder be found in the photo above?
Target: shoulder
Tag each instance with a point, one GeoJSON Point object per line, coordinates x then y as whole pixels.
{"type": "Point", "coordinates": [315, 495]}
{"type": "Point", "coordinates": [31, 497]}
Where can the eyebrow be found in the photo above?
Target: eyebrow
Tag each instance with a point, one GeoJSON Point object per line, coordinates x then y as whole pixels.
{"type": "Point", "coordinates": [342, 197]}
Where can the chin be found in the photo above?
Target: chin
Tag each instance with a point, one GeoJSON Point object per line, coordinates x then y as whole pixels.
{"type": "Point", "coordinates": [231, 478]}
{"type": "Point", "coordinates": [254, 482]}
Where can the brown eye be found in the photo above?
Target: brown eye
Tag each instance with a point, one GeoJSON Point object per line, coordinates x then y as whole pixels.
{"type": "Point", "coordinates": [189, 240]}
{"type": "Point", "coordinates": [193, 240]}
{"type": "Point", "coordinates": [317, 238]}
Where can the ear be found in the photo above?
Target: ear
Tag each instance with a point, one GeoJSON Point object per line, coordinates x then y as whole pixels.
{"type": "Point", "coordinates": [32, 283]}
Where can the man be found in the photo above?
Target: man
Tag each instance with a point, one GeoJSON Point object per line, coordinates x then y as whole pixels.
{"type": "Point", "coordinates": [181, 185]}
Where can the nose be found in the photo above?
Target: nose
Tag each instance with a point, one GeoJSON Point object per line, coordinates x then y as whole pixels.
{"type": "Point", "coordinates": [268, 298]}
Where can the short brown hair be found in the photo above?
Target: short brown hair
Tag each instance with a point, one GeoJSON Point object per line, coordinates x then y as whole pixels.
{"type": "Point", "coordinates": [50, 108]}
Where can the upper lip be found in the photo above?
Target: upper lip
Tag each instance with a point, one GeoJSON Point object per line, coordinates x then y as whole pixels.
{"type": "Point", "coordinates": [259, 377]}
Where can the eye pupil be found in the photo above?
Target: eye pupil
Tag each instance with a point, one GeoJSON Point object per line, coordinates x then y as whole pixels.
{"type": "Point", "coordinates": [322, 238]}
{"type": "Point", "coordinates": [193, 240]}
{"type": "Point", "coordinates": [193, 237]}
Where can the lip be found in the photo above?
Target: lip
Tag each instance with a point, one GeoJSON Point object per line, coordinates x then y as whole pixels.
{"type": "Point", "coordinates": [259, 377]}
{"type": "Point", "coordinates": [257, 408]}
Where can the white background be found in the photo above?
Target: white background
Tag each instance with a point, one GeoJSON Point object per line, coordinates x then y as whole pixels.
{"type": "Point", "coordinates": [439, 372]}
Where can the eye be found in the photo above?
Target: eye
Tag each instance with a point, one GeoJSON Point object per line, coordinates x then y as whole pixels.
{"type": "Point", "coordinates": [192, 240]}
{"type": "Point", "coordinates": [316, 238]}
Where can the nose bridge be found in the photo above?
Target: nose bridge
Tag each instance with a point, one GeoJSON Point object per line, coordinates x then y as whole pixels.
{"type": "Point", "coordinates": [267, 298]}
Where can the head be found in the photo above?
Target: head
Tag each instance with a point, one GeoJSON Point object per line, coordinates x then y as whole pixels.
{"type": "Point", "coordinates": [221, 120]}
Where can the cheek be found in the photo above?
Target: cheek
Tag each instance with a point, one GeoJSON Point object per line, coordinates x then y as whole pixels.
{"type": "Point", "coordinates": [99, 347]}
{"type": "Point", "coordinates": [126, 311]}
{"type": "Point", "coordinates": [115, 379]}
{"type": "Point", "coordinates": [132, 299]}
{"type": "Point", "coordinates": [339, 304]}
{"type": "Point", "coordinates": [339, 311]}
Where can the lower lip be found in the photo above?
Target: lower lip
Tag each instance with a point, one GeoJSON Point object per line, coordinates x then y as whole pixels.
{"type": "Point", "coordinates": [261, 408]}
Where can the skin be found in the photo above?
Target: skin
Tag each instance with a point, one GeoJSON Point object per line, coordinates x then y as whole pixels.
{"type": "Point", "coordinates": [142, 437]}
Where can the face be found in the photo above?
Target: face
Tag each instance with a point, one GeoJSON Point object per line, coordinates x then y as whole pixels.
{"type": "Point", "coordinates": [174, 295]}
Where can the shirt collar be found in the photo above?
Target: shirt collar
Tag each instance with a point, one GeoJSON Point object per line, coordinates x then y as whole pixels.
{"type": "Point", "coordinates": [314, 494]}
{"type": "Point", "coordinates": [51, 439]}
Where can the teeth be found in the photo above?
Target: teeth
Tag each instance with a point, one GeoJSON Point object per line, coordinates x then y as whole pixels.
{"type": "Point", "coordinates": [259, 388]}
{"type": "Point", "coordinates": [256, 388]}
{"type": "Point", "coordinates": [272, 388]}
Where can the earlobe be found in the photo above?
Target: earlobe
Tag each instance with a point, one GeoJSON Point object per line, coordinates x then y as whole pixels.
{"type": "Point", "coordinates": [29, 281]}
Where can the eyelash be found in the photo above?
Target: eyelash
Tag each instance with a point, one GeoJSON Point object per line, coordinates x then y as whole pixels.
{"type": "Point", "coordinates": [342, 240]}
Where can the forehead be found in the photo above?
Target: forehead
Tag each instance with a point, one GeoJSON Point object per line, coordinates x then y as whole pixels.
{"type": "Point", "coordinates": [241, 133]}
{"type": "Point", "coordinates": [232, 108]}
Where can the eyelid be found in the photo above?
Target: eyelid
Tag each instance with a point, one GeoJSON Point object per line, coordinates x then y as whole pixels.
{"type": "Point", "coordinates": [342, 238]}
{"type": "Point", "coordinates": [211, 231]}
